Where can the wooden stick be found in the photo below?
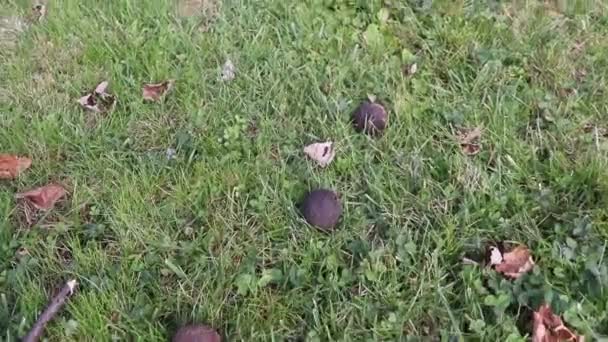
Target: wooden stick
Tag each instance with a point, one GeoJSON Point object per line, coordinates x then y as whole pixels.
{"type": "Point", "coordinates": [51, 311]}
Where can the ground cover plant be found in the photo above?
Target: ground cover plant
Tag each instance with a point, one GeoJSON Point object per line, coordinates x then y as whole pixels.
{"type": "Point", "coordinates": [159, 152]}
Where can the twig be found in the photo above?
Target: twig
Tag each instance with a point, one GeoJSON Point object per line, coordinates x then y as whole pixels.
{"type": "Point", "coordinates": [54, 306]}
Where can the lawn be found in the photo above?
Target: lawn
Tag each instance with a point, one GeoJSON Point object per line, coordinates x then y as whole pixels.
{"type": "Point", "coordinates": [186, 209]}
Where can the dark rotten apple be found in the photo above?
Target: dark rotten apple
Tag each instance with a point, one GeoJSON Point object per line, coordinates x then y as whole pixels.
{"type": "Point", "coordinates": [370, 118]}
{"type": "Point", "coordinates": [322, 208]}
{"type": "Point", "coordinates": [196, 333]}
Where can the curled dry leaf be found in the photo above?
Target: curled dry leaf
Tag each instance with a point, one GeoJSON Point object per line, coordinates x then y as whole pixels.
{"type": "Point", "coordinates": [410, 69]}
{"type": "Point", "coordinates": [98, 100]}
{"type": "Point", "coordinates": [228, 71]}
{"type": "Point", "coordinates": [549, 327]}
{"type": "Point", "coordinates": [322, 153]}
{"type": "Point", "coordinates": [170, 153]}
{"type": "Point", "coordinates": [512, 264]}
{"type": "Point", "coordinates": [495, 256]}
{"type": "Point", "coordinates": [595, 130]}
{"type": "Point", "coordinates": [43, 198]}
{"type": "Point", "coordinates": [469, 140]}
{"type": "Point", "coordinates": [11, 166]}
{"type": "Point", "coordinates": [38, 12]}
{"type": "Point", "coordinates": [154, 92]}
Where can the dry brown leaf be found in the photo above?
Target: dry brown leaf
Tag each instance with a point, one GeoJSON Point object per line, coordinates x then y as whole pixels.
{"type": "Point", "coordinates": [43, 198]}
{"type": "Point", "coordinates": [495, 256]}
{"type": "Point", "coordinates": [98, 100]}
{"type": "Point", "coordinates": [11, 166]}
{"type": "Point", "coordinates": [549, 327]}
{"type": "Point", "coordinates": [322, 153]}
{"type": "Point", "coordinates": [228, 71]}
{"type": "Point", "coordinates": [468, 136]}
{"type": "Point", "coordinates": [469, 140]}
{"type": "Point", "coordinates": [471, 149]}
{"type": "Point", "coordinates": [516, 262]}
{"type": "Point", "coordinates": [154, 92]}
{"type": "Point", "coordinates": [410, 69]}
{"type": "Point", "coordinates": [38, 12]}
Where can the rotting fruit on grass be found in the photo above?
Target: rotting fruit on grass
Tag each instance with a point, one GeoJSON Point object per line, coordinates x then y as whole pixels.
{"type": "Point", "coordinates": [322, 208]}
{"type": "Point", "coordinates": [196, 333]}
{"type": "Point", "coordinates": [370, 118]}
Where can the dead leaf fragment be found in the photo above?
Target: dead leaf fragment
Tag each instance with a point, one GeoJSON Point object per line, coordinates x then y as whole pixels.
{"type": "Point", "coordinates": [549, 327]}
{"type": "Point", "coordinates": [469, 140]}
{"type": "Point", "coordinates": [11, 166]}
{"type": "Point", "coordinates": [154, 92]}
{"type": "Point", "coordinates": [515, 262]}
{"type": "Point", "coordinates": [228, 71]}
{"type": "Point", "coordinates": [322, 153]}
{"type": "Point", "coordinates": [495, 256]}
{"type": "Point", "coordinates": [98, 100]}
{"type": "Point", "coordinates": [410, 69]}
{"type": "Point", "coordinates": [595, 130]}
{"type": "Point", "coordinates": [43, 198]}
{"type": "Point", "coordinates": [38, 12]}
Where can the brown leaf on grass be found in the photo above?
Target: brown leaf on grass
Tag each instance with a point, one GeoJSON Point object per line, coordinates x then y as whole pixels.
{"type": "Point", "coordinates": [469, 140]}
{"type": "Point", "coordinates": [549, 327]}
{"type": "Point", "coordinates": [38, 12]}
{"type": "Point", "coordinates": [514, 263]}
{"type": "Point", "coordinates": [410, 69]}
{"type": "Point", "coordinates": [43, 198]}
{"type": "Point", "coordinates": [595, 130]}
{"type": "Point", "coordinates": [322, 153]}
{"type": "Point", "coordinates": [98, 100]}
{"type": "Point", "coordinates": [154, 92]}
{"type": "Point", "coordinates": [11, 166]}
{"type": "Point", "coordinates": [228, 71]}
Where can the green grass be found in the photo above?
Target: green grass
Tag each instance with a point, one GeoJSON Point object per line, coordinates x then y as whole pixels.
{"type": "Point", "coordinates": [215, 235]}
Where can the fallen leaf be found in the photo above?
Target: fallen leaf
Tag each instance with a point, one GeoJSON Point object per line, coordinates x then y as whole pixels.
{"type": "Point", "coordinates": [580, 74]}
{"type": "Point", "coordinates": [228, 71]}
{"type": "Point", "coordinates": [154, 92]}
{"type": "Point", "coordinates": [101, 88]}
{"type": "Point", "coordinates": [11, 166]}
{"type": "Point", "coordinates": [515, 262]}
{"type": "Point", "coordinates": [411, 69]}
{"type": "Point", "coordinates": [322, 153]}
{"type": "Point", "coordinates": [471, 149]}
{"type": "Point", "coordinates": [22, 251]}
{"type": "Point", "coordinates": [98, 100]}
{"type": "Point", "coordinates": [171, 153]}
{"type": "Point", "coordinates": [549, 327]}
{"type": "Point", "coordinates": [469, 140]}
{"type": "Point", "coordinates": [38, 12]}
{"type": "Point", "coordinates": [578, 47]}
{"type": "Point", "coordinates": [595, 130]}
{"type": "Point", "coordinates": [468, 136]}
{"type": "Point", "coordinates": [495, 256]}
{"type": "Point", "coordinates": [43, 198]}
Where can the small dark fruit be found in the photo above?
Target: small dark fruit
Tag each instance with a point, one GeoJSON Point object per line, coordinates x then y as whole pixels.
{"type": "Point", "coordinates": [370, 118]}
{"type": "Point", "coordinates": [196, 333]}
{"type": "Point", "coordinates": [322, 208]}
